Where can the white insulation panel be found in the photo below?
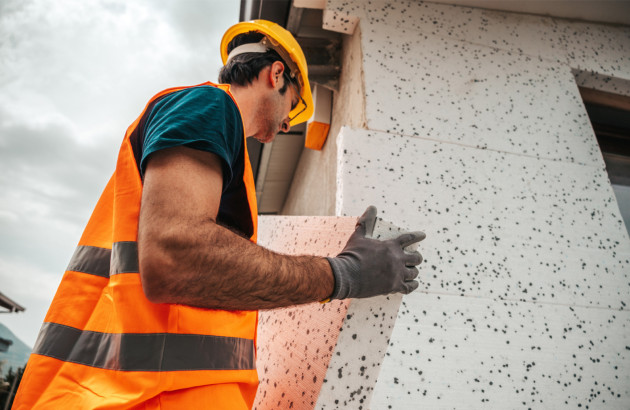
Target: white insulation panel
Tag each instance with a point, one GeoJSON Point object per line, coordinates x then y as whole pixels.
{"type": "Point", "coordinates": [526, 279]}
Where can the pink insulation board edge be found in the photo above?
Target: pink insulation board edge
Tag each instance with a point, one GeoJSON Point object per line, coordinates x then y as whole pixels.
{"type": "Point", "coordinates": [321, 355]}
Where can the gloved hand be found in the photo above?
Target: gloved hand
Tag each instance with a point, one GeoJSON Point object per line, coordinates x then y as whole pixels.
{"type": "Point", "coordinates": [368, 267]}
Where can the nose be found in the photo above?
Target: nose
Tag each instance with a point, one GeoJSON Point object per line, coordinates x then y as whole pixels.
{"type": "Point", "coordinates": [285, 125]}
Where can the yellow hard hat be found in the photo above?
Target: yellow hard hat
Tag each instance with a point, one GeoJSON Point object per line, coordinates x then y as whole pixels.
{"type": "Point", "coordinates": [280, 40]}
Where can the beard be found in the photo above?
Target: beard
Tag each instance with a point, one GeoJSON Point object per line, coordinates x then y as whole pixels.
{"type": "Point", "coordinates": [270, 117]}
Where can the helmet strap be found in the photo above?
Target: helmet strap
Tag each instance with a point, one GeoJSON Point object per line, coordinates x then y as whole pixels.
{"type": "Point", "coordinates": [263, 46]}
{"type": "Point", "coordinates": [259, 47]}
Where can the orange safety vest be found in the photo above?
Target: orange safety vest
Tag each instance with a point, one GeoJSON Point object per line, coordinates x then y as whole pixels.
{"type": "Point", "coordinates": [103, 345]}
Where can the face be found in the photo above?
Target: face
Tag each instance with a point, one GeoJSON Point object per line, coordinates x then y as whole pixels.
{"type": "Point", "coordinates": [274, 110]}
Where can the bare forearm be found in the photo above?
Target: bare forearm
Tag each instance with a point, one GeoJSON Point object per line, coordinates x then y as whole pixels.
{"type": "Point", "coordinates": [208, 266]}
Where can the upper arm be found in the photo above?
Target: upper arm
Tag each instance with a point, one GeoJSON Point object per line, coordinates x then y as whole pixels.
{"type": "Point", "coordinates": [190, 142]}
{"type": "Point", "coordinates": [182, 182]}
{"type": "Point", "coordinates": [182, 190]}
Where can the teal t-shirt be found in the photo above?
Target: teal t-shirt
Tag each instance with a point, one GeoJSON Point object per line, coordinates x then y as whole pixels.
{"type": "Point", "coordinates": [204, 118]}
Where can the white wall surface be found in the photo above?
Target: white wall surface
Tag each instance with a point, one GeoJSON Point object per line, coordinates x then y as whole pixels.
{"type": "Point", "coordinates": [477, 135]}
{"type": "Point", "coordinates": [523, 295]}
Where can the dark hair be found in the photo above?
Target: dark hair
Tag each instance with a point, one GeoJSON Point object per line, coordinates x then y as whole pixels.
{"type": "Point", "coordinates": [244, 68]}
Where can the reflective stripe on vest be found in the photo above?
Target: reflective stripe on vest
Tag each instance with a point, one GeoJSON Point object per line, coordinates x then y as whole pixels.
{"type": "Point", "coordinates": [144, 352]}
{"type": "Point", "coordinates": [122, 258]}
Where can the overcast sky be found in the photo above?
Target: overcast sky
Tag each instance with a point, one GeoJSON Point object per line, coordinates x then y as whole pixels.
{"type": "Point", "coordinates": [73, 75]}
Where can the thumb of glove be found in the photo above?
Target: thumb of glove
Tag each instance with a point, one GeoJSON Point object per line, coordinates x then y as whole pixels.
{"type": "Point", "coordinates": [366, 222]}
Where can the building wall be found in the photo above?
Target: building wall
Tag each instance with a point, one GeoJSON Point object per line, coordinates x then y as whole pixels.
{"type": "Point", "coordinates": [475, 133]}
{"type": "Point", "coordinates": [313, 188]}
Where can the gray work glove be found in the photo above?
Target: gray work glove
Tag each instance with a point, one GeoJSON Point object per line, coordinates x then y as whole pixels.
{"type": "Point", "coordinates": [368, 267]}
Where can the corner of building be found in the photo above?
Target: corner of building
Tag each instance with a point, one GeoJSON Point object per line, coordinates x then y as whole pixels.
{"type": "Point", "coordinates": [313, 189]}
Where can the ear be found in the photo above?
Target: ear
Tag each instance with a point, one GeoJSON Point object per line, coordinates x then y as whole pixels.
{"type": "Point", "coordinates": [275, 74]}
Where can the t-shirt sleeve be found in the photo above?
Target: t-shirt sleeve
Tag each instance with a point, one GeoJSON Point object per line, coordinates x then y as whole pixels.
{"type": "Point", "coordinates": [203, 118]}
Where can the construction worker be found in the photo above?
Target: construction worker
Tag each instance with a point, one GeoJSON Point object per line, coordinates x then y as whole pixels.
{"type": "Point", "coordinates": [158, 306]}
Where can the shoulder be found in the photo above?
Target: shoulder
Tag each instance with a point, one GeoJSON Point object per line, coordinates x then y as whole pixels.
{"type": "Point", "coordinates": [202, 101]}
{"type": "Point", "coordinates": [202, 104]}
{"type": "Point", "coordinates": [205, 94]}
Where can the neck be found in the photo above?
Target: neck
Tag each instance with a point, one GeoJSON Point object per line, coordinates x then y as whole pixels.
{"type": "Point", "coordinates": [246, 98]}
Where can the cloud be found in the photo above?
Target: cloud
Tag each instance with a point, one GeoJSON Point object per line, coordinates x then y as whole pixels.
{"type": "Point", "coordinates": [73, 76]}
{"type": "Point", "coordinates": [49, 183]}
{"type": "Point", "coordinates": [32, 288]}
{"type": "Point", "coordinates": [47, 177]}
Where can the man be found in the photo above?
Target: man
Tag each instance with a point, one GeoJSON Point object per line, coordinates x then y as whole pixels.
{"type": "Point", "coordinates": [157, 309]}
